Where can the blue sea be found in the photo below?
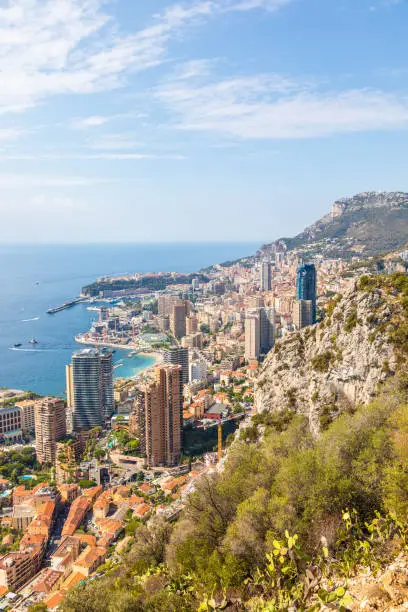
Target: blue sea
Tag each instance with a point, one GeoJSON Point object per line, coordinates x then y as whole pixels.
{"type": "Point", "coordinates": [35, 278]}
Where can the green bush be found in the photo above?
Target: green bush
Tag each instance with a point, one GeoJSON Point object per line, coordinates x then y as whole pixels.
{"type": "Point", "coordinates": [351, 321]}
{"type": "Point", "coordinates": [86, 484]}
{"type": "Point", "coordinates": [254, 530]}
{"type": "Point", "coordinates": [322, 362]}
{"type": "Point", "coordinates": [368, 283]}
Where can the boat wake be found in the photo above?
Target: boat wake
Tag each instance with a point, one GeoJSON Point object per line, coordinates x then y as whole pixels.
{"type": "Point", "coordinates": [28, 350]}
{"type": "Point", "coordinates": [28, 320]}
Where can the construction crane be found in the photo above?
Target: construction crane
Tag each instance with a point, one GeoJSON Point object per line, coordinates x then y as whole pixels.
{"type": "Point", "coordinates": [219, 425]}
{"type": "Point", "coordinates": [220, 440]}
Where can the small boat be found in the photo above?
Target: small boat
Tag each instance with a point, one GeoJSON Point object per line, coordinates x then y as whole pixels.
{"type": "Point", "coordinates": [32, 341]}
{"type": "Point", "coordinates": [17, 345]}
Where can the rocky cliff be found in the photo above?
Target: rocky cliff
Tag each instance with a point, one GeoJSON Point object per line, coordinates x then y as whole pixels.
{"type": "Point", "coordinates": [338, 363]}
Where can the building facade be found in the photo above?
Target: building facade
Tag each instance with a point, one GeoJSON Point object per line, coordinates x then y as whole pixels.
{"type": "Point", "coordinates": [50, 426]}
{"type": "Point", "coordinates": [197, 370]}
{"type": "Point", "coordinates": [159, 406]}
{"type": "Point", "coordinates": [267, 329]}
{"type": "Point", "coordinates": [306, 286]}
{"type": "Point", "coordinates": [259, 332]}
{"type": "Point", "coordinates": [27, 409]}
{"type": "Point", "coordinates": [252, 335]}
{"type": "Point", "coordinates": [266, 276]}
{"type": "Point", "coordinates": [178, 317]}
{"type": "Point", "coordinates": [91, 382]}
{"type": "Point", "coordinates": [177, 355]}
{"type": "Point", "coordinates": [10, 424]}
{"type": "Point", "coordinates": [302, 313]}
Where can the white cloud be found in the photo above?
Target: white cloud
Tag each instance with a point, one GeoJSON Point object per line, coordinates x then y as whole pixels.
{"type": "Point", "coordinates": [50, 47]}
{"type": "Point", "coordinates": [135, 156]}
{"type": "Point", "coordinates": [45, 203]}
{"type": "Point", "coordinates": [23, 181]}
{"type": "Point", "coordinates": [121, 140]}
{"type": "Point", "coordinates": [80, 123]}
{"type": "Point", "coordinates": [271, 107]}
{"type": "Point", "coordinates": [269, 5]}
{"type": "Point", "coordinates": [10, 133]}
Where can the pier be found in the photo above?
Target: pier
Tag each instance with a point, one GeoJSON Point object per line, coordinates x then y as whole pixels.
{"type": "Point", "coordinates": [66, 305]}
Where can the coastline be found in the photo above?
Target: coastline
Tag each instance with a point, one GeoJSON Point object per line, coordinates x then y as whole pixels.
{"type": "Point", "coordinates": [61, 271]}
{"type": "Point", "coordinates": [151, 354]}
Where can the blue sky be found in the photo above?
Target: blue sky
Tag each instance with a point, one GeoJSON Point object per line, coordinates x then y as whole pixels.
{"type": "Point", "coordinates": [152, 120]}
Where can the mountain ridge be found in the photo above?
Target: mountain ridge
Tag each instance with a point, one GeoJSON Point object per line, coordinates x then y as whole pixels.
{"type": "Point", "coordinates": [366, 224]}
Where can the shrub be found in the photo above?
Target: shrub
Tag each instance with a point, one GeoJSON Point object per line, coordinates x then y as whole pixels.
{"type": "Point", "coordinates": [368, 283]}
{"type": "Point", "coordinates": [322, 362]}
{"type": "Point", "coordinates": [351, 321]}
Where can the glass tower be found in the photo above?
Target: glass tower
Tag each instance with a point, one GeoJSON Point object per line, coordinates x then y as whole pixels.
{"type": "Point", "coordinates": [306, 286]}
{"type": "Point", "coordinates": [92, 386]}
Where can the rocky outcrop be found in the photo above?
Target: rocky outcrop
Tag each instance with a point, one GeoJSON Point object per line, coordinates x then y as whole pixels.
{"type": "Point", "coordinates": [336, 364]}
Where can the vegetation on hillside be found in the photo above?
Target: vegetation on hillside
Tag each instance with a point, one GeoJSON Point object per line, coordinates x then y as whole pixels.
{"type": "Point", "coordinates": [291, 517]}
{"type": "Point", "coordinates": [284, 525]}
{"type": "Point", "coordinates": [153, 283]}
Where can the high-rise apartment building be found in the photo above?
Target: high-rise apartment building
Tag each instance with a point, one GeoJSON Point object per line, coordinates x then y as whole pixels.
{"type": "Point", "coordinates": [266, 276]}
{"type": "Point", "coordinates": [193, 341]}
{"type": "Point", "coordinates": [177, 355]}
{"type": "Point", "coordinates": [165, 304]}
{"type": "Point", "coordinates": [69, 385]}
{"type": "Point", "coordinates": [178, 317]}
{"type": "Point", "coordinates": [191, 325]}
{"type": "Point", "coordinates": [197, 370]}
{"type": "Point", "coordinates": [50, 426]}
{"type": "Point", "coordinates": [259, 332]}
{"type": "Point", "coordinates": [252, 335]}
{"type": "Point", "coordinates": [27, 410]}
{"type": "Point", "coordinates": [302, 313]}
{"type": "Point", "coordinates": [267, 329]}
{"type": "Point", "coordinates": [171, 391]}
{"type": "Point", "coordinates": [108, 402]}
{"type": "Point", "coordinates": [10, 424]}
{"type": "Point", "coordinates": [90, 379]}
{"type": "Point", "coordinates": [306, 286]}
{"type": "Point", "coordinates": [159, 406]}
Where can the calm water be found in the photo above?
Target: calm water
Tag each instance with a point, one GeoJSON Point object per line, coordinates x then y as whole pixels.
{"type": "Point", "coordinates": [61, 271]}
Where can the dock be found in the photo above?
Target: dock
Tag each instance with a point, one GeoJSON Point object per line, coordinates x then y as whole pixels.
{"type": "Point", "coordinates": [66, 305]}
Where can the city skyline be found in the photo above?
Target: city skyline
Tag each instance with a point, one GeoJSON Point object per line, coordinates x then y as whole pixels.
{"type": "Point", "coordinates": [113, 110]}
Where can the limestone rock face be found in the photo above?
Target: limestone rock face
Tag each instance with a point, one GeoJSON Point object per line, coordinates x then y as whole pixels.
{"type": "Point", "coordinates": [335, 365]}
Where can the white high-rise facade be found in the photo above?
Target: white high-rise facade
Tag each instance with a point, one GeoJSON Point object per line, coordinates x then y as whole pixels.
{"type": "Point", "coordinates": [197, 371]}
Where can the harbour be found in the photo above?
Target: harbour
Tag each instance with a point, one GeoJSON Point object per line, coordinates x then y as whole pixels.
{"type": "Point", "coordinates": [66, 305]}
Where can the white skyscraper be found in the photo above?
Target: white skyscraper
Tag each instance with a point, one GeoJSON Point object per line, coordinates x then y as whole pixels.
{"type": "Point", "coordinates": [197, 371]}
{"type": "Point", "coordinates": [252, 334]}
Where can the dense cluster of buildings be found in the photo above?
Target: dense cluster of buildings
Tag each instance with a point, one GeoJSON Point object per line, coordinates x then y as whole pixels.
{"type": "Point", "coordinates": [211, 338]}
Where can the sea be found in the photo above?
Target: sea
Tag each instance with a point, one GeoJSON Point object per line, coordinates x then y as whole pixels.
{"type": "Point", "coordinates": [35, 278]}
